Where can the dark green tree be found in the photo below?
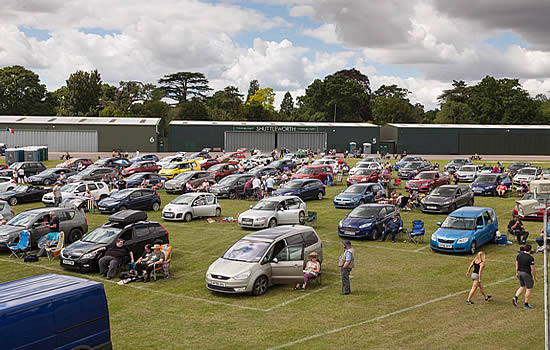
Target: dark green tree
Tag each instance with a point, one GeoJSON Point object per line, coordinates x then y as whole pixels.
{"type": "Point", "coordinates": [453, 112]}
{"type": "Point", "coordinates": [390, 104]}
{"type": "Point", "coordinates": [182, 86]}
{"type": "Point", "coordinates": [21, 92]}
{"type": "Point", "coordinates": [254, 86]}
{"type": "Point", "coordinates": [225, 104]}
{"type": "Point", "coordinates": [459, 93]}
{"type": "Point", "coordinates": [83, 92]}
{"type": "Point", "coordinates": [287, 104]}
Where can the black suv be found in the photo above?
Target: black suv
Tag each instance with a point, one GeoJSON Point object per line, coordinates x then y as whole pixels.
{"type": "Point", "coordinates": [49, 176]}
{"type": "Point", "coordinates": [130, 225]}
{"type": "Point", "coordinates": [30, 168]}
{"type": "Point", "coordinates": [231, 186]}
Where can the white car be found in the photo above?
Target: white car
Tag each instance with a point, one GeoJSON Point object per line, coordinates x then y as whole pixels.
{"type": "Point", "coordinates": [192, 205]}
{"type": "Point", "coordinates": [358, 166]}
{"type": "Point", "coordinates": [326, 161]}
{"type": "Point", "coordinates": [273, 211]}
{"type": "Point", "coordinates": [262, 159]}
{"type": "Point", "coordinates": [527, 175]}
{"type": "Point", "coordinates": [468, 173]}
{"type": "Point", "coordinates": [298, 159]}
{"type": "Point", "coordinates": [164, 162]}
{"type": "Point", "coordinates": [6, 184]}
{"type": "Point", "coordinates": [99, 190]}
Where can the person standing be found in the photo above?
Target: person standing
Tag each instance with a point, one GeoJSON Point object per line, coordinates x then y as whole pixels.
{"type": "Point", "coordinates": [57, 194]}
{"type": "Point", "coordinates": [21, 175]}
{"type": "Point", "coordinates": [516, 228]}
{"type": "Point", "coordinates": [256, 183]}
{"type": "Point", "coordinates": [270, 184]}
{"type": "Point", "coordinates": [478, 264]}
{"type": "Point", "coordinates": [346, 262]}
{"type": "Point", "coordinates": [525, 272]}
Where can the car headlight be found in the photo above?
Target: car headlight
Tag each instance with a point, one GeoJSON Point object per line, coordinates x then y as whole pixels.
{"type": "Point", "coordinates": [89, 255]}
{"type": "Point", "coordinates": [340, 224]}
{"type": "Point", "coordinates": [463, 240]}
{"type": "Point", "coordinates": [365, 225]}
{"type": "Point", "coordinates": [260, 218]}
{"type": "Point", "coordinates": [242, 276]}
{"type": "Point", "coordinates": [434, 237]}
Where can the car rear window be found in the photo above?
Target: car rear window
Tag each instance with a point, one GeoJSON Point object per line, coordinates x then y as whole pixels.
{"type": "Point", "coordinates": [309, 238]}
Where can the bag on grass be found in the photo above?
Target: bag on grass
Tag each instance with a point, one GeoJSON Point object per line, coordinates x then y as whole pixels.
{"type": "Point", "coordinates": [30, 258]}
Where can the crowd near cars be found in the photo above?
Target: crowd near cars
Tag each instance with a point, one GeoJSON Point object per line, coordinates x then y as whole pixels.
{"type": "Point", "coordinates": [278, 187]}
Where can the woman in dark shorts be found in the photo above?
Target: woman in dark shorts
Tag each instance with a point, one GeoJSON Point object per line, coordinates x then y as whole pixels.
{"type": "Point", "coordinates": [477, 264]}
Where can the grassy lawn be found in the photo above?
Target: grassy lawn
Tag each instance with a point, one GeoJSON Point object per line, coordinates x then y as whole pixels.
{"type": "Point", "coordinates": [403, 295]}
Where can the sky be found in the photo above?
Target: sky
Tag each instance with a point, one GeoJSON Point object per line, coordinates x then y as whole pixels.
{"type": "Point", "coordinates": [421, 45]}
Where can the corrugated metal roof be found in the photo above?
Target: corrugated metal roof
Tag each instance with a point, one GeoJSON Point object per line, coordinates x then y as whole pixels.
{"type": "Point", "coordinates": [7, 119]}
{"type": "Point", "coordinates": [469, 126]}
{"type": "Point", "coordinates": [230, 123]}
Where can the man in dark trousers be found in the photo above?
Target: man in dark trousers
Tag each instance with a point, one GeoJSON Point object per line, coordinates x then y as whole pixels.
{"type": "Point", "coordinates": [113, 258]}
{"type": "Point", "coordinates": [525, 272]}
{"type": "Point", "coordinates": [516, 228]}
{"type": "Point", "coordinates": [393, 226]}
{"type": "Point", "coordinates": [346, 262]}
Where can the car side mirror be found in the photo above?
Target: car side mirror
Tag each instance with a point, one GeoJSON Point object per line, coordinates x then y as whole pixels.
{"type": "Point", "coordinates": [438, 223]}
{"type": "Point", "coordinates": [275, 260]}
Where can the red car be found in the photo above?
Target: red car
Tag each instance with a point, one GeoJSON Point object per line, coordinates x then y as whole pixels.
{"type": "Point", "coordinates": [231, 156]}
{"type": "Point", "coordinates": [209, 162]}
{"type": "Point", "coordinates": [339, 159]}
{"type": "Point", "coordinates": [319, 172]}
{"type": "Point", "coordinates": [427, 181]}
{"type": "Point", "coordinates": [538, 216]}
{"type": "Point", "coordinates": [3, 166]}
{"type": "Point", "coordinates": [146, 166]}
{"type": "Point", "coordinates": [219, 171]}
{"type": "Point", "coordinates": [364, 175]}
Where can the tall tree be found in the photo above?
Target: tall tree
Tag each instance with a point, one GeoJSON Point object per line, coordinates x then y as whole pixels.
{"type": "Point", "coordinates": [83, 92]}
{"type": "Point", "coordinates": [20, 92]}
{"type": "Point", "coordinates": [225, 104]}
{"type": "Point", "coordinates": [287, 104]}
{"type": "Point", "coordinates": [390, 104]}
{"type": "Point", "coordinates": [459, 93]}
{"type": "Point", "coordinates": [453, 112]}
{"type": "Point", "coordinates": [359, 77]}
{"type": "Point", "coordinates": [182, 86]}
{"type": "Point", "coordinates": [263, 97]}
{"type": "Point", "coordinates": [254, 86]}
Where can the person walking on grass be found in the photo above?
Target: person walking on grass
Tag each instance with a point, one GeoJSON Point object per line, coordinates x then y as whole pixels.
{"type": "Point", "coordinates": [346, 262]}
{"type": "Point", "coordinates": [525, 272]}
{"type": "Point", "coordinates": [477, 264]}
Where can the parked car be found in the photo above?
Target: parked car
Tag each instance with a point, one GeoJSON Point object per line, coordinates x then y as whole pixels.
{"type": "Point", "coordinates": [318, 172]}
{"type": "Point", "coordinates": [264, 258]}
{"type": "Point", "coordinates": [99, 190]}
{"type": "Point", "coordinates": [164, 162]}
{"type": "Point", "coordinates": [447, 198]}
{"type": "Point", "coordinates": [465, 230]}
{"type": "Point", "coordinates": [363, 176]}
{"type": "Point", "coordinates": [514, 167]}
{"type": "Point", "coordinates": [262, 171]}
{"type": "Point", "coordinates": [406, 160]}
{"type": "Point", "coordinates": [151, 178]}
{"type": "Point", "coordinates": [75, 163]}
{"type": "Point", "coordinates": [36, 315]}
{"type": "Point", "coordinates": [357, 194]}
{"type": "Point", "coordinates": [30, 168]}
{"type": "Point", "coordinates": [456, 164]}
{"type": "Point", "coordinates": [192, 205]}
{"type": "Point", "coordinates": [427, 181]}
{"type": "Point", "coordinates": [298, 157]}
{"type": "Point", "coordinates": [146, 166]}
{"type": "Point", "coordinates": [413, 168]}
{"type": "Point", "coordinates": [468, 173]}
{"type": "Point", "coordinates": [207, 163]}
{"type": "Point", "coordinates": [264, 159]}
{"type": "Point", "coordinates": [366, 221]}
{"type": "Point", "coordinates": [526, 175]}
{"type": "Point", "coordinates": [130, 225]}
{"type": "Point", "coordinates": [273, 211]}
{"type": "Point", "coordinates": [24, 194]}
{"type": "Point", "coordinates": [487, 183]}
{"type": "Point", "coordinates": [231, 186]}
{"type": "Point", "coordinates": [130, 198]}
{"type": "Point", "coordinates": [281, 164]}
{"type": "Point", "coordinates": [202, 154]}
{"type": "Point", "coordinates": [50, 175]}
{"type": "Point", "coordinates": [546, 174]}
{"type": "Point", "coordinates": [7, 184]}
{"type": "Point", "coordinates": [6, 212]}
{"type": "Point", "coordinates": [232, 156]}
{"type": "Point", "coordinates": [365, 166]}
{"type": "Point", "coordinates": [219, 171]}
{"type": "Point", "coordinates": [174, 169]}
{"type": "Point", "coordinates": [71, 221]}
{"type": "Point", "coordinates": [111, 162]}
{"type": "Point", "coordinates": [93, 174]}
{"type": "Point", "coordinates": [195, 178]}
{"type": "Point", "coordinates": [539, 215]}
{"type": "Point", "coordinates": [303, 188]}
{"type": "Point", "coordinates": [326, 161]}
{"type": "Point", "coordinates": [144, 157]}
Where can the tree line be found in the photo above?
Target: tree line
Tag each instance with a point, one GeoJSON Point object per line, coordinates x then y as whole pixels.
{"type": "Point", "coordinates": [344, 96]}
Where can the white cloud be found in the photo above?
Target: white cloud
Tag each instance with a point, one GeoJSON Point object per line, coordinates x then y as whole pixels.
{"type": "Point", "coordinates": [325, 33]}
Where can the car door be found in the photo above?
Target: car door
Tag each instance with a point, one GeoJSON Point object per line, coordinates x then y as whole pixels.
{"type": "Point", "coordinates": [481, 231]}
{"type": "Point", "coordinates": [199, 207]}
{"type": "Point", "coordinates": [488, 229]}
{"type": "Point", "coordinates": [289, 265]}
{"type": "Point", "coordinates": [210, 206]}
{"type": "Point", "coordinates": [381, 219]}
{"type": "Point", "coordinates": [141, 237]}
{"type": "Point", "coordinates": [139, 200]}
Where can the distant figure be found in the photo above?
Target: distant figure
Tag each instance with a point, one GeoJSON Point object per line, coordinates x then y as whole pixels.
{"type": "Point", "coordinates": [137, 153]}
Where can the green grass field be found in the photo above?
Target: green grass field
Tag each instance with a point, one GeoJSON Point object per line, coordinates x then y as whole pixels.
{"type": "Point", "coordinates": [403, 295]}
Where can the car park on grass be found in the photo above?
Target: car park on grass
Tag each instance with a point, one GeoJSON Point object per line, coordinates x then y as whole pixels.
{"type": "Point", "coordinates": [366, 221]}
{"type": "Point", "coordinates": [427, 181]}
{"type": "Point", "coordinates": [357, 194]}
{"type": "Point", "coordinates": [130, 198]}
{"type": "Point", "coordinates": [49, 176]}
{"type": "Point", "coordinates": [447, 198]}
{"type": "Point", "coordinates": [273, 211]}
{"type": "Point", "coordinates": [24, 194]}
{"type": "Point", "coordinates": [264, 258]}
{"type": "Point", "coordinates": [231, 186]}
{"type": "Point", "coordinates": [98, 189]}
{"type": "Point", "coordinates": [303, 188]}
{"type": "Point", "coordinates": [486, 184]}
{"type": "Point", "coordinates": [192, 205]}
{"type": "Point", "coordinates": [465, 230]}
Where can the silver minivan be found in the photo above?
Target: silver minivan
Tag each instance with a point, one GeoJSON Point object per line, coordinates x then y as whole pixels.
{"type": "Point", "coordinates": [272, 256]}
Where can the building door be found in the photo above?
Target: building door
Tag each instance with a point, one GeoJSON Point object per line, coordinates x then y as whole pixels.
{"type": "Point", "coordinates": [234, 140]}
{"type": "Point", "coordinates": [302, 140]}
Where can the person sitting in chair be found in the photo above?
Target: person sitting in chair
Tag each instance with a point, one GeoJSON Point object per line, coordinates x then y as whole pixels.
{"type": "Point", "coordinates": [540, 241]}
{"type": "Point", "coordinates": [393, 226]}
{"type": "Point", "coordinates": [501, 189]}
{"type": "Point", "coordinates": [148, 264]}
{"type": "Point", "coordinates": [516, 228]}
{"type": "Point", "coordinates": [189, 187]}
{"type": "Point", "coordinates": [379, 198]}
{"type": "Point", "coordinates": [312, 269]}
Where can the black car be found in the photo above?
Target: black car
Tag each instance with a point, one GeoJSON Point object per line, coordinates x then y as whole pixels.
{"type": "Point", "coordinates": [50, 176]}
{"type": "Point", "coordinates": [130, 225]}
{"type": "Point", "coordinates": [93, 174]}
{"type": "Point", "coordinates": [447, 198]}
{"type": "Point", "coordinates": [282, 164]}
{"type": "Point", "coordinates": [455, 164]}
{"type": "Point", "coordinates": [231, 186]}
{"type": "Point", "coordinates": [413, 168]}
{"type": "Point", "coordinates": [515, 167]}
{"type": "Point", "coordinates": [24, 194]}
{"type": "Point", "coordinates": [30, 168]}
{"type": "Point", "coordinates": [130, 198]}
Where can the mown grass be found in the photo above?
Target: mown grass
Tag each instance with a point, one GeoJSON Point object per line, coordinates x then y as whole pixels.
{"type": "Point", "coordinates": [181, 313]}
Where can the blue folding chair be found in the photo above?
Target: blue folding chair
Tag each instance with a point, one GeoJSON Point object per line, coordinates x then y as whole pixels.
{"type": "Point", "coordinates": [18, 249]}
{"type": "Point", "coordinates": [416, 234]}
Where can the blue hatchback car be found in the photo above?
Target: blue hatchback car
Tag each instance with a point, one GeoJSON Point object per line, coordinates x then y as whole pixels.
{"type": "Point", "coordinates": [136, 179]}
{"type": "Point", "coordinates": [487, 183]}
{"type": "Point", "coordinates": [465, 230]}
{"type": "Point", "coordinates": [366, 221]}
{"type": "Point", "coordinates": [356, 195]}
{"type": "Point", "coordinates": [130, 198]}
{"type": "Point", "coordinates": [303, 188]}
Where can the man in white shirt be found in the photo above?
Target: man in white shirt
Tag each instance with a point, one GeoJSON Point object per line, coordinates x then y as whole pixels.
{"type": "Point", "coordinates": [270, 183]}
{"type": "Point", "coordinates": [256, 186]}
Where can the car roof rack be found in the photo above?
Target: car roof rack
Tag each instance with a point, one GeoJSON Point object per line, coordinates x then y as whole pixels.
{"type": "Point", "coordinates": [127, 217]}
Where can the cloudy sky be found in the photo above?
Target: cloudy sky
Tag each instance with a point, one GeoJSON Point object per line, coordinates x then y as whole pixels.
{"type": "Point", "coordinates": [421, 45]}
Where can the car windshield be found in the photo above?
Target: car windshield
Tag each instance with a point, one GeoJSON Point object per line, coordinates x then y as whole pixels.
{"type": "Point", "coordinates": [265, 205]}
{"type": "Point", "coordinates": [354, 189]}
{"type": "Point", "coordinates": [527, 171]}
{"type": "Point", "coordinates": [469, 169]}
{"type": "Point", "coordinates": [292, 185]}
{"type": "Point", "coordinates": [69, 187]}
{"type": "Point", "coordinates": [443, 192]}
{"type": "Point", "coordinates": [364, 212]}
{"type": "Point", "coordinates": [226, 181]}
{"type": "Point", "coordinates": [22, 220]}
{"type": "Point", "coordinates": [120, 194]}
{"type": "Point", "coordinates": [183, 200]}
{"type": "Point", "coordinates": [216, 167]}
{"type": "Point", "coordinates": [184, 176]}
{"type": "Point", "coordinates": [486, 179]}
{"type": "Point", "coordinates": [246, 250]}
{"type": "Point", "coordinates": [172, 166]}
{"type": "Point", "coordinates": [455, 223]}
{"type": "Point", "coordinates": [412, 165]}
{"type": "Point", "coordinates": [135, 177]}
{"type": "Point", "coordinates": [306, 171]}
{"type": "Point", "coordinates": [364, 172]}
{"type": "Point", "coordinates": [102, 234]}
{"type": "Point", "coordinates": [20, 188]}
{"type": "Point", "coordinates": [48, 171]}
{"type": "Point", "coordinates": [424, 176]}
{"type": "Point", "coordinates": [87, 171]}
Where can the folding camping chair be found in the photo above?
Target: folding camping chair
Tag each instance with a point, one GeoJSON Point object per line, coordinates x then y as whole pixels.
{"type": "Point", "coordinates": [52, 243]}
{"type": "Point", "coordinates": [18, 249]}
{"type": "Point", "coordinates": [164, 267]}
{"type": "Point", "coordinates": [339, 179]}
{"type": "Point", "coordinates": [311, 217]}
{"type": "Point", "coordinates": [54, 251]}
{"type": "Point", "coordinates": [416, 234]}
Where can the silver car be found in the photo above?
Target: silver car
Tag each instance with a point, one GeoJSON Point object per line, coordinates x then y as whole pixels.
{"type": "Point", "coordinates": [192, 205]}
{"type": "Point", "coordinates": [527, 175]}
{"type": "Point", "coordinates": [468, 173]}
{"type": "Point", "coordinates": [6, 212]}
{"type": "Point", "coordinates": [273, 211]}
{"type": "Point", "coordinates": [261, 259]}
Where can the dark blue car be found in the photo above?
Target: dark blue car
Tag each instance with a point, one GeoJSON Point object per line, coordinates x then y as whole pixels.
{"type": "Point", "coordinates": [264, 170]}
{"type": "Point", "coordinates": [303, 188]}
{"type": "Point", "coordinates": [366, 221]}
{"type": "Point", "coordinates": [487, 183]}
{"type": "Point", "coordinates": [131, 198]}
{"type": "Point", "coordinates": [282, 164]}
{"type": "Point", "coordinates": [357, 194]}
{"type": "Point", "coordinates": [144, 157]}
{"type": "Point", "coordinates": [136, 179]}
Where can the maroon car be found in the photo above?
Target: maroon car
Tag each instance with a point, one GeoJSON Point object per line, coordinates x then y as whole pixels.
{"type": "Point", "coordinates": [147, 166]}
{"type": "Point", "coordinates": [363, 175]}
{"type": "Point", "coordinates": [427, 181]}
{"type": "Point", "coordinates": [219, 171]}
{"type": "Point", "coordinates": [209, 162]}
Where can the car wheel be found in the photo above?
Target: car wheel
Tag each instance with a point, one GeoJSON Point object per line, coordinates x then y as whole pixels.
{"type": "Point", "coordinates": [272, 222]}
{"type": "Point", "coordinates": [302, 218]}
{"type": "Point", "coordinates": [232, 194]}
{"type": "Point", "coordinates": [375, 235]}
{"type": "Point", "coordinates": [452, 208]}
{"type": "Point", "coordinates": [361, 202]}
{"type": "Point", "coordinates": [188, 217]}
{"type": "Point", "coordinates": [74, 235]}
{"type": "Point", "coordinates": [47, 182]}
{"type": "Point", "coordinates": [218, 212]}
{"type": "Point", "coordinates": [217, 178]}
{"type": "Point", "coordinates": [122, 208]}
{"type": "Point", "coordinates": [260, 286]}
{"type": "Point", "coordinates": [9, 189]}
{"type": "Point", "coordinates": [12, 201]}
{"type": "Point", "coordinates": [320, 195]}
{"type": "Point", "coordinates": [473, 247]}
{"type": "Point", "coordinates": [156, 206]}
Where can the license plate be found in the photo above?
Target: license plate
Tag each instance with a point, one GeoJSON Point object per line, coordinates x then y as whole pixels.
{"type": "Point", "coordinates": [169, 215]}
{"type": "Point", "coordinates": [445, 245]}
{"type": "Point", "coordinates": [431, 207]}
{"type": "Point", "coordinates": [68, 262]}
{"type": "Point", "coordinates": [101, 208]}
{"type": "Point", "coordinates": [219, 284]}
{"type": "Point", "coordinates": [477, 191]}
{"type": "Point", "coordinates": [350, 233]}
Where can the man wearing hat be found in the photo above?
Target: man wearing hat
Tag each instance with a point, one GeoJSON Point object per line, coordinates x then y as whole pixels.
{"type": "Point", "coordinates": [346, 263]}
{"type": "Point", "coordinates": [525, 272]}
{"type": "Point", "coordinates": [156, 257]}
